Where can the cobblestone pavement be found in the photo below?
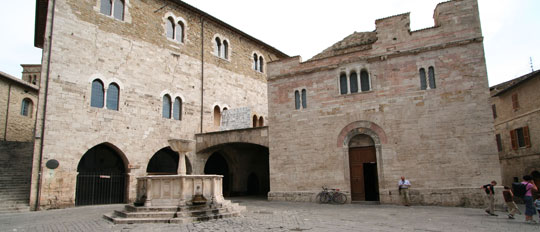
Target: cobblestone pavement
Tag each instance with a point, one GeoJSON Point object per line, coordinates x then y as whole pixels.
{"type": "Point", "coordinates": [263, 215]}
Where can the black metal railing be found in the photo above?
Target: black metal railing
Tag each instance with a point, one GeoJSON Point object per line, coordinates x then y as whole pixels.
{"type": "Point", "coordinates": [100, 188]}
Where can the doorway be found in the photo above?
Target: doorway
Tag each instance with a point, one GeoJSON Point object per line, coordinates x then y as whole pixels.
{"type": "Point", "coordinates": [101, 178]}
{"type": "Point", "coordinates": [363, 169]}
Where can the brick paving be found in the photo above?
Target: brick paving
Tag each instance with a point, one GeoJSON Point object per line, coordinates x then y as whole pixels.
{"type": "Point", "coordinates": [263, 215]}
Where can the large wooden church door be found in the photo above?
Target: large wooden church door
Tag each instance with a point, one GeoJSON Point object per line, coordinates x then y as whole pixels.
{"type": "Point", "coordinates": [363, 182]}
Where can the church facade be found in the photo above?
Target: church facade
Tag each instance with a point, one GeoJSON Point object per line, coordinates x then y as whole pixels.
{"type": "Point", "coordinates": [384, 104]}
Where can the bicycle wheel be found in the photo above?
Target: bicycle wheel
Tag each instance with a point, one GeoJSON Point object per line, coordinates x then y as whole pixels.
{"type": "Point", "coordinates": [339, 198]}
{"type": "Point", "coordinates": [322, 197]}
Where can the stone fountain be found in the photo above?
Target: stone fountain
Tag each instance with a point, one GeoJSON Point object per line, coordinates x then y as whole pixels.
{"type": "Point", "coordinates": [177, 198]}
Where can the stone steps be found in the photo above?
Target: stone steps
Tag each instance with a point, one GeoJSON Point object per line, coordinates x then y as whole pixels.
{"type": "Point", "coordinates": [174, 214]}
{"type": "Point", "coordinates": [16, 166]}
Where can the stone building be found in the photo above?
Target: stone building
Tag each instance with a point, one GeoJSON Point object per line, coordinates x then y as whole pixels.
{"type": "Point", "coordinates": [516, 110]}
{"type": "Point", "coordinates": [18, 104]}
{"type": "Point", "coordinates": [121, 78]}
{"type": "Point", "coordinates": [382, 104]}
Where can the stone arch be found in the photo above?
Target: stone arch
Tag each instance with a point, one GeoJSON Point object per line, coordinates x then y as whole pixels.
{"type": "Point", "coordinates": [373, 131]}
{"type": "Point", "coordinates": [361, 127]}
{"type": "Point", "coordinates": [102, 176]}
{"type": "Point", "coordinates": [118, 151]}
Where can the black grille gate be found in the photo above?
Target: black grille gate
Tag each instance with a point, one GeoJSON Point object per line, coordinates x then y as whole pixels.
{"type": "Point", "coordinates": [100, 188]}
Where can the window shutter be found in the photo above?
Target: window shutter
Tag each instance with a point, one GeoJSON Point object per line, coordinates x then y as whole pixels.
{"type": "Point", "coordinates": [513, 138]}
{"type": "Point", "coordinates": [526, 136]}
{"type": "Point", "coordinates": [515, 102]}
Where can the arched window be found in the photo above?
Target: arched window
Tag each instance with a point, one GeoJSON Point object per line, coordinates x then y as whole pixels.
{"type": "Point", "coordinates": [353, 80]}
{"type": "Point", "coordinates": [304, 98]}
{"type": "Point", "coordinates": [112, 96]}
{"type": "Point", "coordinates": [431, 75]}
{"type": "Point", "coordinates": [170, 28]}
{"type": "Point", "coordinates": [166, 106]}
{"type": "Point", "coordinates": [217, 116]}
{"type": "Point", "coordinates": [261, 121]}
{"type": "Point", "coordinates": [296, 99]}
{"type": "Point", "coordinates": [26, 107]}
{"type": "Point", "coordinates": [180, 32]}
{"type": "Point", "coordinates": [364, 81]}
{"type": "Point", "coordinates": [119, 9]}
{"type": "Point", "coordinates": [255, 62]}
{"type": "Point", "coordinates": [423, 83]}
{"type": "Point", "coordinates": [97, 97]}
{"type": "Point", "coordinates": [218, 47]}
{"type": "Point", "coordinates": [225, 52]}
{"type": "Point", "coordinates": [254, 121]}
{"type": "Point", "coordinates": [261, 64]}
{"type": "Point", "coordinates": [177, 109]}
{"type": "Point", "coordinates": [106, 6]}
{"type": "Point", "coordinates": [343, 83]}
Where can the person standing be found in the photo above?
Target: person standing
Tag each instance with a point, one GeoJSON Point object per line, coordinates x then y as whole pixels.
{"type": "Point", "coordinates": [490, 197]}
{"type": "Point", "coordinates": [530, 210]}
{"type": "Point", "coordinates": [509, 200]}
{"type": "Point", "coordinates": [404, 186]}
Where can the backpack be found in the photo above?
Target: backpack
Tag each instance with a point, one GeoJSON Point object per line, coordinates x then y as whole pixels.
{"type": "Point", "coordinates": [519, 189]}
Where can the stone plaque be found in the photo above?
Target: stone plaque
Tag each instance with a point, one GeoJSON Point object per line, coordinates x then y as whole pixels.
{"type": "Point", "coordinates": [52, 164]}
{"type": "Point", "coordinates": [234, 119]}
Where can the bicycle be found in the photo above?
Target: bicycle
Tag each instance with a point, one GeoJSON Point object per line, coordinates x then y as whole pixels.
{"type": "Point", "coordinates": [331, 196]}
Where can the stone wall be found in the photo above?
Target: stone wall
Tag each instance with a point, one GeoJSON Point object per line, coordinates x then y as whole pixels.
{"type": "Point", "coordinates": [19, 127]}
{"type": "Point", "coordinates": [524, 160]}
{"type": "Point", "coordinates": [136, 55]}
{"type": "Point", "coordinates": [441, 138]}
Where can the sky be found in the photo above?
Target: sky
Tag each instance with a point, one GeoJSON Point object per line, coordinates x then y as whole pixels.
{"type": "Point", "coordinates": [511, 28]}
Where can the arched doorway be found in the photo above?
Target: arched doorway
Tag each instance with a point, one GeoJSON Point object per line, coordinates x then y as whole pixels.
{"type": "Point", "coordinates": [165, 162]}
{"type": "Point", "coordinates": [101, 177]}
{"type": "Point", "coordinates": [363, 169]}
{"type": "Point", "coordinates": [217, 165]}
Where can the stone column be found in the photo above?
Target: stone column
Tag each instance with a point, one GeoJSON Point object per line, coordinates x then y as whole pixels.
{"type": "Point", "coordinates": [182, 146]}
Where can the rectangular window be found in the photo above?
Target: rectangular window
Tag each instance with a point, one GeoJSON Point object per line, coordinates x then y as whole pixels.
{"type": "Point", "coordinates": [515, 102]}
{"type": "Point", "coordinates": [494, 109]}
{"type": "Point", "coordinates": [520, 138]}
{"type": "Point", "coordinates": [499, 142]}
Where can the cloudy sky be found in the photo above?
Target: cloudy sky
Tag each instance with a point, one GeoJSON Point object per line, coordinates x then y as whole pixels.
{"type": "Point", "coordinates": [511, 28]}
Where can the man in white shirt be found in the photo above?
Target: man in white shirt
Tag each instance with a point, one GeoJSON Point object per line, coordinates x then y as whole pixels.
{"type": "Point", "coordinates": [404, 186]}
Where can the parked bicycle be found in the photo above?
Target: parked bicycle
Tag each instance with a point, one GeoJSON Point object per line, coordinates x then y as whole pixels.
{"type": "Point", "coordinates": [331, 196]}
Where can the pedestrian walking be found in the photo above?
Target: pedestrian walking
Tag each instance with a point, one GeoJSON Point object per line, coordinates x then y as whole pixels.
{"type": "Point", "coordinates": [530, 210]}
{"type": "Point", "coordinates": [404, 186]}
{"type": "Point", "coordinates": [509, 200]}
{"type": "Point", "coordinates": [490, 198]}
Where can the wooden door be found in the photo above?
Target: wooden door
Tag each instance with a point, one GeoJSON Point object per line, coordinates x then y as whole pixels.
{"type": "Point", "coordinates": [357, 157]}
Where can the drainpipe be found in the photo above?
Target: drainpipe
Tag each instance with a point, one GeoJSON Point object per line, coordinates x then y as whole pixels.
{"type": "Point", "coordinates": [7, 113]}
{"type": "Point", "coordinates": [47, 74]}
{"type": "Point", "coordinates": [202, 72]}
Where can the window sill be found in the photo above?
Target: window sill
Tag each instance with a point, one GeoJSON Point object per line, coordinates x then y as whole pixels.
{"type": "Point", "coordinates": [358, 93]}
{"type": "Point", "coordinates": [221, 58]}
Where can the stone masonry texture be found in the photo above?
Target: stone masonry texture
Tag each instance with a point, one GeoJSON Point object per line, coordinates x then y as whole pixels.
{"type": "Point", "coordinates": [135, 54]}
{"type": "Point", "coordinates": [515, 163]}
{"type": "Point", "coordinates": [441, 138]}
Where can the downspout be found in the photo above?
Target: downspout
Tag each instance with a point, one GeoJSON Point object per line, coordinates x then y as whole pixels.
{"type": "Point", "coordinates": [202, 72]}
{"type": "Point", "coordinates": [7, 112]}
{"type": "Point", "coordinates": [38, 195]}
